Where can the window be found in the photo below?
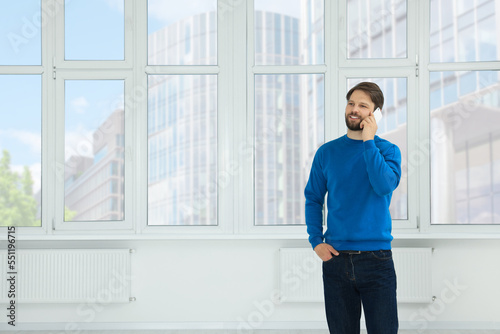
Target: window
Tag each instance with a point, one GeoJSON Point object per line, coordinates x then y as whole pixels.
{"type": "Point", "coordinates": [376, 29]}
{"type": "Point", "coordinates": [94, 30]}
{"type": "Point", "coordinates": [464, 104]}
{"type": "Point", "coordinates": [463, 32]}
{"type": "Point", "coordinates": [182, 33]}
{"type": "Point", "coordinates": [182, 114]}
{"type": "Point", "coordinates": [290, 33]}
{"type": "Point", "coordinates": [21, 148]}
{"type": "Point", "coordinates": [21, 114]}
{"type": "Point", "coordinates": [465, 131]}
{"type": "Point", "coordinates": [94, 116]}
{"type": "Point", "coordinates": [289, 127]}
{"type": "Point", "coordinates": [182, 192]}
{"type": "Point", "coordinates": [202, 117]}
{"type": "Point", "coordinates": [288, 112]}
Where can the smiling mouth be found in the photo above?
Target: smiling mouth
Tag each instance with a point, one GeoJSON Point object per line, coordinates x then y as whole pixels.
{"type": "Point", "coordinates": [354, 117]}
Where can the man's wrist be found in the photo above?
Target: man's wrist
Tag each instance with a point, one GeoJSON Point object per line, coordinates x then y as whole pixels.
{"type": "Point", "coordinates": [316, 241]}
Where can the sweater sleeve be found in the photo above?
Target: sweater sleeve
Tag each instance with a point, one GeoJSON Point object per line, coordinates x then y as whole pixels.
{"type": "Point", "coordinates": [315, 192]}
{"type": "Point", "coordinates": [384, 169]}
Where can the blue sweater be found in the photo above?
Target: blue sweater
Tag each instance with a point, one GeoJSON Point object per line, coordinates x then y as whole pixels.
{"type": "Point", "coordinates": [359, 178]}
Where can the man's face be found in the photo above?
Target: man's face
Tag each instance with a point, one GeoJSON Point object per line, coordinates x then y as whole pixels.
{"type": "Point", "coordinates": [358, 107]}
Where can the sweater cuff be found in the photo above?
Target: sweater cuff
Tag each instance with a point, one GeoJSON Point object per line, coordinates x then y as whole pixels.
{"type": "Point", "coordinates": [369, 144]}
{"type": "Point", "coordinates": [315, 241]}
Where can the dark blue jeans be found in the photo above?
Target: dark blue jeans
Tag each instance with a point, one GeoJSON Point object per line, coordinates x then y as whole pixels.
{"type": "Point", "coordinates": [354, 280]}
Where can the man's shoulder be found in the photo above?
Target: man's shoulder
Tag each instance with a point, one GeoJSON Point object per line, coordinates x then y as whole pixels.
{"type": "Point", "coordinates": [332, 144]}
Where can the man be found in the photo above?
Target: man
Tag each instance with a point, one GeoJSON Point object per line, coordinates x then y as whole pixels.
{"type": "Point", "coordinates": [359, 171]}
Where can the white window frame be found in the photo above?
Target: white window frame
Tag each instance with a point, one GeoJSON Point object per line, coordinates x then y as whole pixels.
{"type": "Point", "coordinates": [59, 60]}
{"type": "Point", "coordinates": [426, 227]}
{"type": "Point", "coordinates": [411, 48]}
{"type": "Point", "coordinates": [127, 223]}
{"type": "Point", "coordinates": [62, 70]}
{"type": "Point", "coordinates": [235, 71]}
{"type": "Point", "coordinates": [225, 119]}
{"type": "Point", "coordinates": [246, 217]}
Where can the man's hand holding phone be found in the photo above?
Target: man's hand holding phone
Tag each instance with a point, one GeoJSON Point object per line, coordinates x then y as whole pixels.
{"type": "Point", "coordinates": [369, 125]}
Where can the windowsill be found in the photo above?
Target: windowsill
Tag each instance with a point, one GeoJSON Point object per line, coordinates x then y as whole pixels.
{"type": "Point", "coordinates": [406, 234]}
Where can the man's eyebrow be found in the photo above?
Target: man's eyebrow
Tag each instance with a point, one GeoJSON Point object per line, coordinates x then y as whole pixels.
{"type": "Point", "coordinates": [362, 102]}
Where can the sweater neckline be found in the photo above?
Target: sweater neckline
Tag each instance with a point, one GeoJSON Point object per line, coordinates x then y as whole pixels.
{"type": "Point", "coordinates": [353, 141]}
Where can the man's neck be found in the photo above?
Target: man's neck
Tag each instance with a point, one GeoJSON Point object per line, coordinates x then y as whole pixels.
{"type": "Point", "coordinates": [356, 135]}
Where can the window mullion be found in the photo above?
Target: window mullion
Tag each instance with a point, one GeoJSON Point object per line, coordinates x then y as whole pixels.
{"type": "Point", "coordinates": [138, 101]}
{"type": "Point", "coordinates": [49, 117]}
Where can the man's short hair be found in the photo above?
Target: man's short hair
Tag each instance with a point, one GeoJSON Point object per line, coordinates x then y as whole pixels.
{"type": "Point", "coordinates": [372, 89]}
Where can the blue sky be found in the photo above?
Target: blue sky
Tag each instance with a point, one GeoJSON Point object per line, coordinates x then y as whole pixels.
{"type": "Point", "coordinates": [94, 29]}
{"type": "Point", "coordinates": [21, 122]}
{"type": "Point", "coordinates": [20, 32]}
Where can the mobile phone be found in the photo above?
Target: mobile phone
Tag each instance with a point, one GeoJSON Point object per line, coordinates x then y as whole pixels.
{"type": "Point", "coordinates": [378, 115]}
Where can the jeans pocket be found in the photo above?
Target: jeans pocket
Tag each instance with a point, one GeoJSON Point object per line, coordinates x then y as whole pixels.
{"type": "Point", "coordinates": [330, 260]}
{"type": "Point", "coordinates": [382, 254]}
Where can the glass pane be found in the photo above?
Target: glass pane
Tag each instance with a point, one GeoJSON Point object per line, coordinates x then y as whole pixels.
{"type": "Point", "coordinates": [289, 32]}
{"type": "Point", "coordinates": [20, 150]}
{"type": "Point", "coordinates": [376, 29]}
{"type": "Point", "coordinates": [464, 31]}
{"type": "Point", "coordinates": [182, 33]}
{"type": "Point", "coordinates": [465, 141]}
{"type": "Point", "coordinates": [289, 128]}
{"type": "Point", "coordinates": [94, 30]}
{"type": "Point", "coordinates": [21, 32]}
{"type": "Point", "coordinates": [182, 150]}
{"type": "Point", "coordinates": [392, 127]}
{"type": "Point", "coordinates": [94, 150]}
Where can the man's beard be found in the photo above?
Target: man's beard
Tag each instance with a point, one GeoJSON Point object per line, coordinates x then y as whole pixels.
{"type": "Point", "coordinates": [352, 126]}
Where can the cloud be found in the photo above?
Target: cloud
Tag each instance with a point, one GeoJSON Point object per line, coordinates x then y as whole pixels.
{"type": "Point", "coordinates": [79, 104]}
{"type": "Point", "coordinates": [116, 4]}
{"type": "Point", "coordinates": [31, 139]}
{"type": "Point", "coordinates": [79, 143]}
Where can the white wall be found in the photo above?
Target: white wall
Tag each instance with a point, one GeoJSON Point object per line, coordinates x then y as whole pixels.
{"type": "Point", "coordinates": [233, 281]}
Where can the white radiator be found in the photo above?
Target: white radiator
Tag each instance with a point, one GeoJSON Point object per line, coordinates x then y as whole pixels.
{"type": "Point", "coordinates": [67, 276]}
{"type": "Point", "coordinates": [301, 275]}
